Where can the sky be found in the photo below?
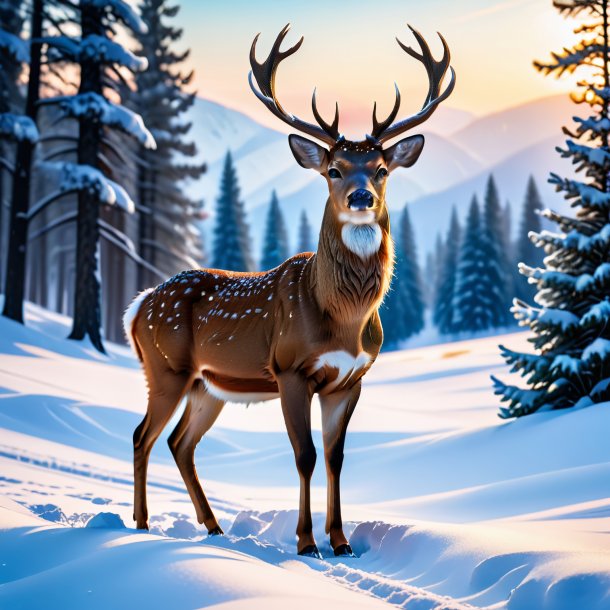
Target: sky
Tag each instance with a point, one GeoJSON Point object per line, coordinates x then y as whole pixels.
{"type": "Point", "coordinates": [351, 56]}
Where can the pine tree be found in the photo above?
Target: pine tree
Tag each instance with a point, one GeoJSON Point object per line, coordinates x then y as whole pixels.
{"type": "Point", "coordinates": [507, 222]}
{"type": "Point", "coordinates": [275, 246]}
{"type": "Point", "coordinates": [498, 267]}
{"type": "Point", "coordinates": [571, 327]}
{"type": "Point", "coordinates": [161, 101]}
{"type": "Point", "coordinates": [97, 148]}
{"type": "Point", "coordinates": [411, 275]}
{"type": "Point", "coordinates": [22, 128]}
{"type": "Point", "coordinates": [14, 53]}
{"type": "Point", "coordinates": [432, 270]}
{"type": "Point", "coordinates": [526, 250]}
{"type": "Point", "coordinates": [231, 247]}
{"type": "Point", "coordinates": [402, 313]}
{"type": "Point", "coordinates": [446, 278]}
{"type": "Point", "coordinates": [306, 243]}
{"type": "Point", "coordinates": [476, 294]}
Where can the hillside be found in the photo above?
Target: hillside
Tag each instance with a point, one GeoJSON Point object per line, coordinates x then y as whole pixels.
{"type": "Point", "coordinates": [448, 507]}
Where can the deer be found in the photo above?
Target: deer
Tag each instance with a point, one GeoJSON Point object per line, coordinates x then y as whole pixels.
{"type": "Point", "coordinates": [309, 326]}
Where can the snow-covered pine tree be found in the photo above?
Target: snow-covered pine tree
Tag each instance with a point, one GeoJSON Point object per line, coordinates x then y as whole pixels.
{"type": "Point", "coordinates": [306, 243]}
{"type": "Point", "coordinates": [525, 249]}
{"type": "Point", "coordinates": [476, 294]}
{"type": "Point", "coordinates": [411, 275]}
{"type": "Point", "coordinates": [169, 237]}
{"type": "Point", "coordinates": [275, 241]}
{"type": "Point", "coordinates": [445, 286]}
{"type": "Point", "coordinates": [14, 53]}
{"type": "Point", "coordinates": [102, 61]}
{"type": "Point", "coordinates": [571, 325]}
{"type": "Point", "coordinates": [497, 268]}
{"type": "Point", "coordinates": [22, 129]}
{"type": "Point", "coordinates": [231, 245]}
{"type": "Point", "coordinates": [402, 313]}
{"type": "Point", "coordinates": [393, 310]}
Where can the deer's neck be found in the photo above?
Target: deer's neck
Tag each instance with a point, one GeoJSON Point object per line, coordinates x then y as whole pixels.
{"type": "Point", "coordinates": [350, 282]}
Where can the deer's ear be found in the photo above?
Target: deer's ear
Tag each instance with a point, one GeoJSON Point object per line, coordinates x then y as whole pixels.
{"type": "Point", "coordinates": [404, 153]}
{"type": "Point", "coordinates": [307, 153]}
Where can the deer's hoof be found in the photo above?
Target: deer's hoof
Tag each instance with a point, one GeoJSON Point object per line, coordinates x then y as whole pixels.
{"type": "Point", "coordinates": [344, 550]}
{"type": "Point", "coordinates": [216, 531]}
{"type": "Point", "coordinates": [310, 551]}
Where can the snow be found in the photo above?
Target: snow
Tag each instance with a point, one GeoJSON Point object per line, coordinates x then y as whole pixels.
{"type": "Point", "coordinates": [76, 177]}
{"type": "Point", "coordinates": [95, 106]}
{"type": "Point", "coordinates": [600, 312]}
{"type": "Point", "coordinates": [105, 521]}
{"type": "Point", "coordinates": [122, 11]}
{"type": "Point", "coordinates": [567, 364]}
{"type": "Point", "coordinates": [592, 154]}
{"type": "Point", "coordinates": [545, 316]}
{"type": "Point", "coordinates": [18, 127]}
{"type": "Point", "coordinates": [446, 506]}
{"type": "Point", "coordinates": [589, 194]}
{"type": "Point", "coordinates": [97, 47]}
{"type": "Point", "coordinates": [594, 124]}
{"type": "Point", "coordinates": [600, 347]}
{"type": "Point", "coordinates": [12, 45]}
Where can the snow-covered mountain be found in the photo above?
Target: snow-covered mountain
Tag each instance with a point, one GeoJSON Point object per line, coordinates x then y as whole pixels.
{"type": "Point", "coordinates": [500, 135]}
{"type": "Point", "coordinates": [430, 213]}
{"type": "Point", "coordinates": [459, 155]}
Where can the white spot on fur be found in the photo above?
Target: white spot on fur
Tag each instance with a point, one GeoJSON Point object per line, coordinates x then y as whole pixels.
{"type": "Point", "coordinates": [239, 397]}
{"type": "Point", "coordinates": [130, 315]}
{"type": "Point", "coordinates": [358, 218]}
{"type": "Point", "coordinates": [344, 362]}
{"type": "Point", "coordinates": [362, 240]}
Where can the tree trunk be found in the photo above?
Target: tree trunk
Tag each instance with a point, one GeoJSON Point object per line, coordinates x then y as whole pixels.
{"type": "Point", "coordinates": [18, 224]}
{"type": "Point", "coordinates": [3, 154]}
{"type": "Point", "coordinates": [143, 222]}
{"type": "Point", "coordinates": [146, 225]}
{"type": "Point", "coordinates": [87, 312]}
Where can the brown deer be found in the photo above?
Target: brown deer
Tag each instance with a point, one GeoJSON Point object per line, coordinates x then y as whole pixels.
{"type": "Point", "coordinates": [309, 326]}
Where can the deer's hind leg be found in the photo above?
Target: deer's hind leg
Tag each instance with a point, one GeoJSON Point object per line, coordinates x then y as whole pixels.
{"type": "Point", "coordinates": [202, 410]}
{"type": "Point", "coordinates": [165, 391]}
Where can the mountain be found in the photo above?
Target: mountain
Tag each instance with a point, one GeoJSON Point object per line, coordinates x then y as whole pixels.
{"type": "Point", "coordinates": [430, 213]}
{"type": "Point", "coordinates": [264, 163]}
{"type": "Point", "coordinates": [500, 135]}
{"type": "Point", "coordinates": [460, 153]}
{"type": "Point", "coordinates": [442, 164]}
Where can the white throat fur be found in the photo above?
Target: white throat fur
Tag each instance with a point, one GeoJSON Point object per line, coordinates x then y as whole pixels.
{"type": "Point", "coordinates": [363, 240]}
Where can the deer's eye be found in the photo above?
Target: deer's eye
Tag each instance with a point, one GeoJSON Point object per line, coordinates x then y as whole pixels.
{"type": "Point", "coordinates": [382, 172]}
{"type": "Point", "coordinates": [334, 173]}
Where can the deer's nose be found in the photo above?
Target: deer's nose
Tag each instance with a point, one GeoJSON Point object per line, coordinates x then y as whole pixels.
{"type": "Point", "coordinates": [360, 199]}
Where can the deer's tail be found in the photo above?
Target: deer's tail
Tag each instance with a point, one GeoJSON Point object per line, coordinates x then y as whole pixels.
{"type": "Point", "coordinates": [129, 318]}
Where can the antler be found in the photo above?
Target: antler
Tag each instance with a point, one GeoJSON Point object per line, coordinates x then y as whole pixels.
{"type": "Point", "coordinates": [436, 70]}
{"type": "Point", "coordinates": [264, 74]}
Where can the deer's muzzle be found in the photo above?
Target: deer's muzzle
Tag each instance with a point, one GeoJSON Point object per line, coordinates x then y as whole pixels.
{"type": "Point", "coordinates": [360, 199]}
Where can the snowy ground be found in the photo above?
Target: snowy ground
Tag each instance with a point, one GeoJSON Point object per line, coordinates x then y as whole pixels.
{"type": "Point", "coordinates": [448, 506]}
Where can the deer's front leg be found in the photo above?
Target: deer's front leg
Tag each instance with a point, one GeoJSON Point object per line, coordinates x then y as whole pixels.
{"type": "Point", "coordinates": [295, 395]}
{"type": "Point", "coordinates": [337, 408]}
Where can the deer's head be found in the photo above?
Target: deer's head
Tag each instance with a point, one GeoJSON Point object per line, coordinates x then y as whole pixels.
{"type": "Point", "coordinates": [356, 172]}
